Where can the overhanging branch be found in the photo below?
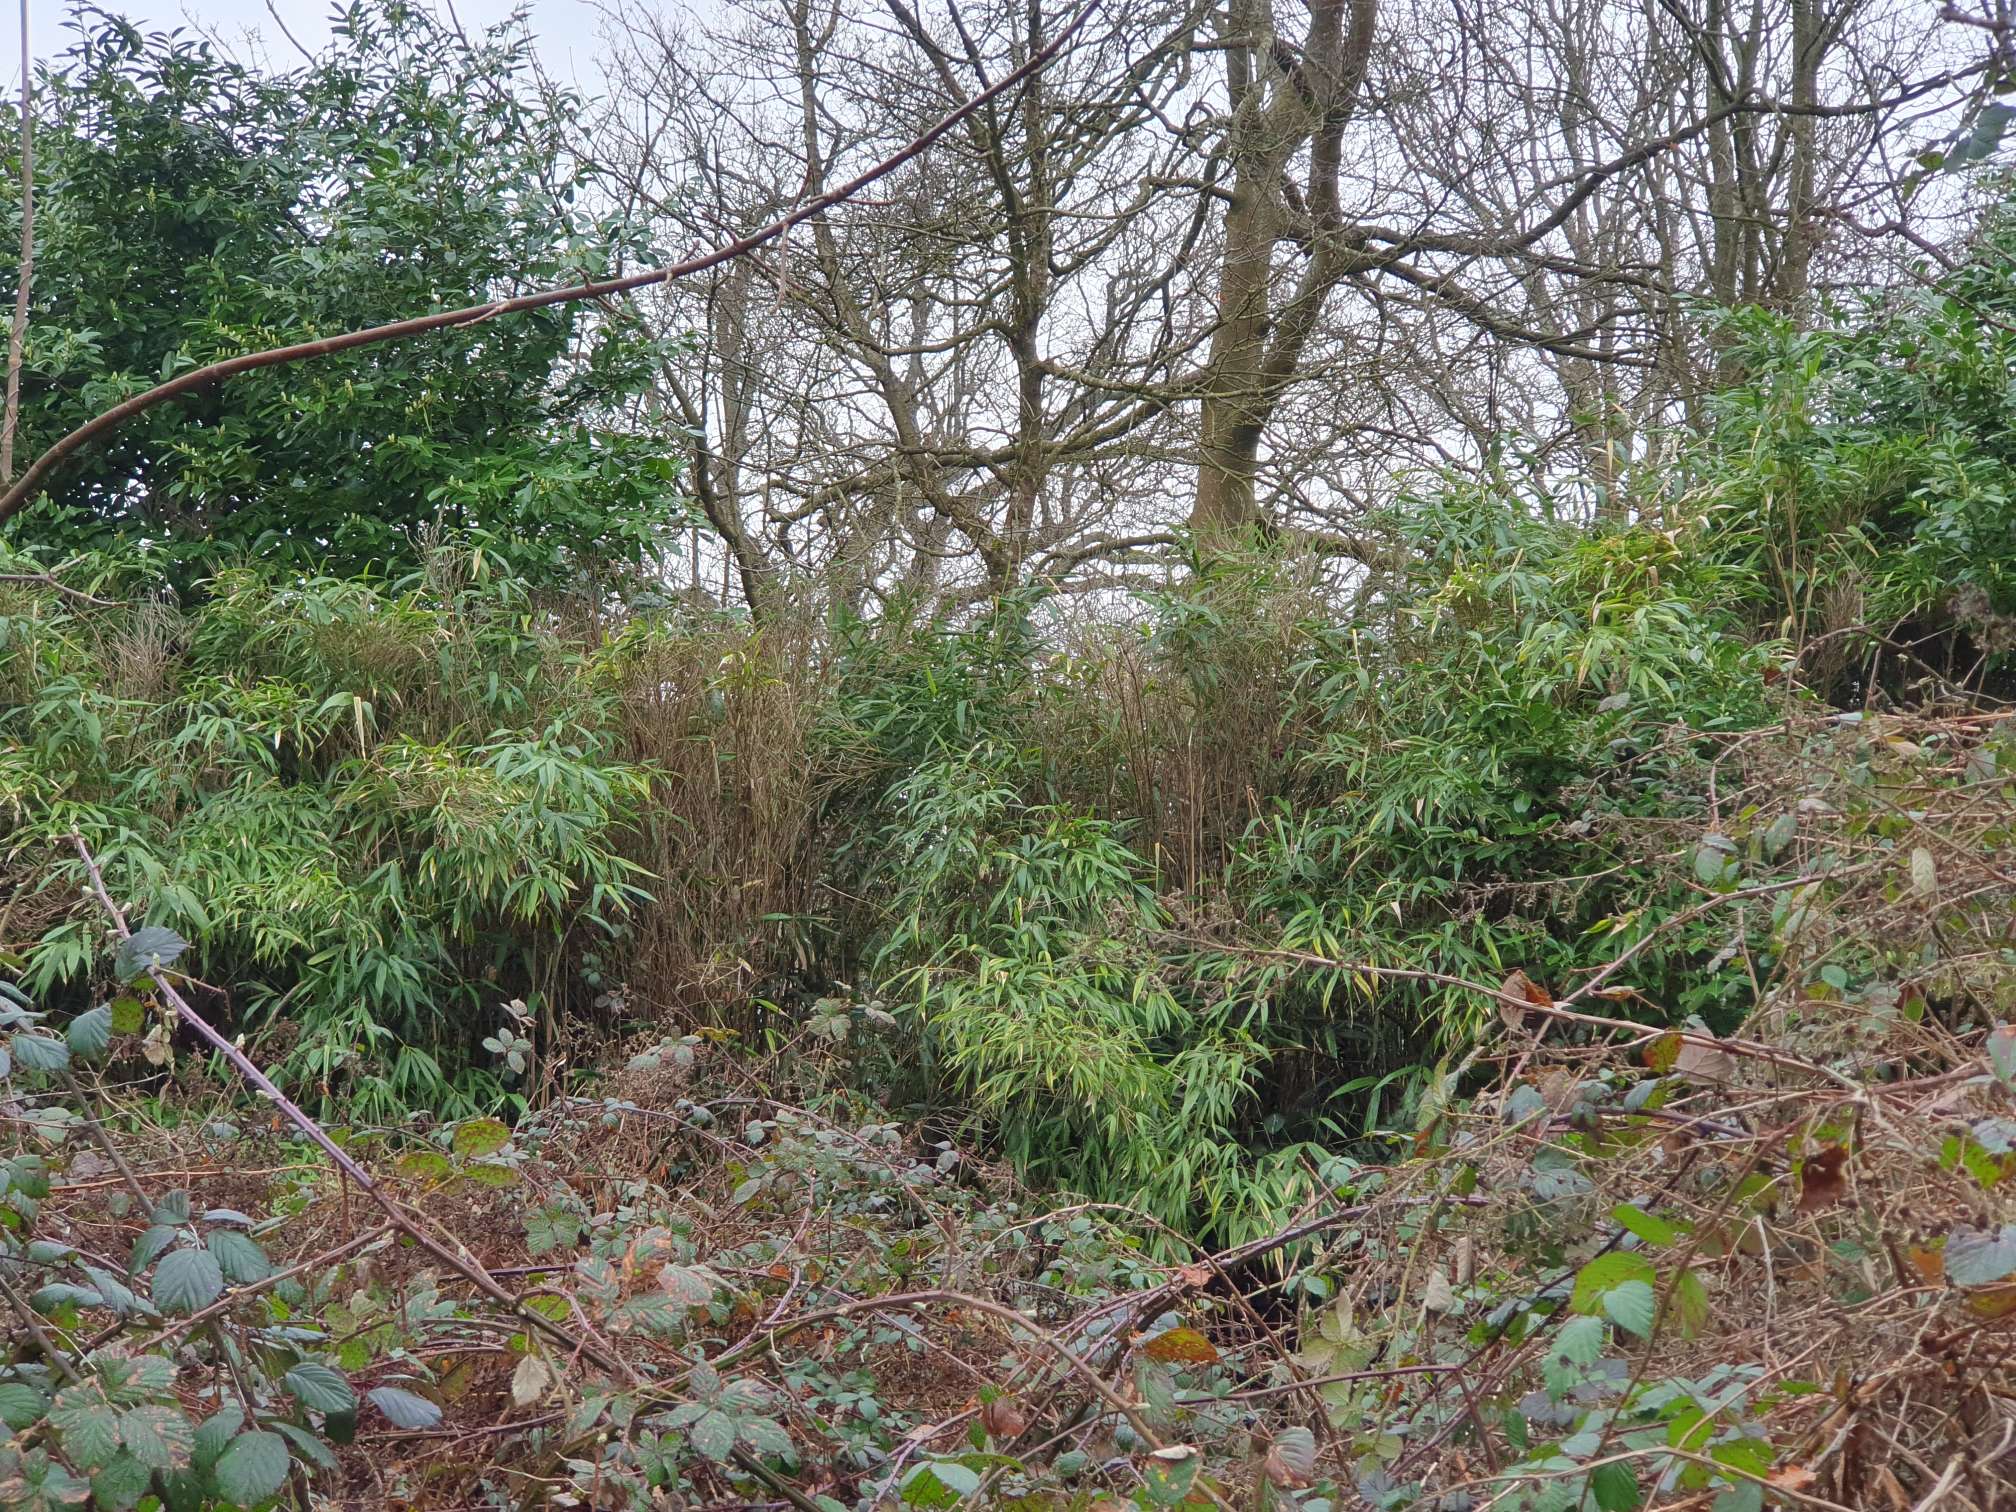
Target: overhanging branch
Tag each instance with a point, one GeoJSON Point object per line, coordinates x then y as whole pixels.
{"type": "Point", "coordinates": [31, 482]}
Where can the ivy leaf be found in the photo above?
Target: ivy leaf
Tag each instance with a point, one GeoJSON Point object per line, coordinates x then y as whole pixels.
{"type": "Point", "coordinates": [405, 1409]}
{"type": "Point", "coordinates": [321, 1388]}
{"type": "Point", "coordinates": [151, 947]}
{"type": "Point", "coordinates": [714, 1434]}
{"type": "Point", "coordinates": [187, 1281]}
{"type": "Point", "coordinates": [252, 1469]}
{"type": "Point", "coordinates": [1632, 1305]}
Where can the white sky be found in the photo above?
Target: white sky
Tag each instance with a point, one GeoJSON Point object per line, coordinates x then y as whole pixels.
{"type": "Point", "coordinates": [566, 30]}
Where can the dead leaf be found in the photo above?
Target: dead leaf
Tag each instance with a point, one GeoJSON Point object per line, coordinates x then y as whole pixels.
{"type": "Point", "coordinates": [1704, 1060]}
{"type": "Point", "coordinates": [1438, 1296]}
{"type": "Point", "coordinates": [1194, 1276]}
{"type": "Point", "coordinates": [1003, 1419]}
{"type": "Point", "coordinates": [1291, 1458]}
{"type": "Point", "coordinates": [1929, 1263]}
{"type": "Point", "coordinates": [1559, 1088]}
{"type": "Point", "coordinates": [1181, 1346]}
{"type": "Point", "coordinates": [530, 1381]}
{"type": "Point", "coordinates": [1524, 989]}
{"type": "Point", "coordinates": [1660, 1053]}
{"type": "Point", "coordinates": [1793, 1478]}
{"type": "Point", "coordinates": [1821, 1182]}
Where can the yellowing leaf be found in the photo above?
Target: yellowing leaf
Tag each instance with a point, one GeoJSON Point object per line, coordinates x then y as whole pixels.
{"type": "Point", "coordinates": [1184, 1346]}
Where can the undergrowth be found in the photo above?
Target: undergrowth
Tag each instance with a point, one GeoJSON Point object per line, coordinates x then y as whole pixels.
{"type": "Point", "coordinates": [1606, 1263]}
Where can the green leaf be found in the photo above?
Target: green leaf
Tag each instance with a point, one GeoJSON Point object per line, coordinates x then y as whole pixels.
{"type": "Point", "coordinates": [1711, 858]}
{"type": "Point", "coordinates": [149, 948]}
{"type": "Point", "coordinates": [89, 1034]}
{"type": "Point", "coordinates": [767, 1436]}
{"type": "Point", "coordinates": [1616, 1487]}
{"type": "Point", "coordinates": [187, 1281]}
{"type": "Point", "coordinates": [41, 1484]}
{"type": "Point", "coordinates": [173, 1208]}
{"type": "Point", "coordinates": [149, 1245]}
{"type": "Point", "coordinates": [89, 1429]}
{"type": "Point", "coordinates": [161, 1437]}
{"type": "Point", "coordinates": [252, 1469]}
{"type": "Point", "coordinates": [689, 1285]}
{"type": "Point", "coordinates": [1689, 1305]}
{"type": "Point", "coordinates": [1604, 1274]}
{"type": "Point", "coordinates": [237, 1257]}
{"type": "Point", "coordinates": [117, 1295]}
{"type": "Point", "coordinates": [405, 1409]}
{"type": "Point", "coordinates": [1745, 1453]}
{"type": "Point", "coordinates": [118, 1485]}
{"type": "Point", "coordinates": [1168, 1474]}
{"type": "Point", "coordinates": [1648, 1227]}
{"type": "Point", "coordinates": [1581, 1340]}
{"type": "Point", "coordinates": [1744, 1496]}
{"type": "Point", "coordinates": [1974, 1258]}
{"type": "Point", "coordinates": [40, 1052]}
{"type": "Point", "coordinates": [2002, 1052]}
{"type": "Point", "coordinates": [1632, 1305]}
{"type": "Point", "coordinates": [21, 1404]}
{"type": "Point", "coordinates": [480, 1136]}
{"type": "Point", "coordinates": [714, 1434]}
{"type": "Point", "coordinates": [939, 1483]}
{"type": "Point", "coordinates": [128, 1015]}
{"type": "Point", "coordinates": [307, 1446]}
{"type": "Point", "coordinates": [214, 1433]}
{"type": "Point", "coordinates": [321, 1388]}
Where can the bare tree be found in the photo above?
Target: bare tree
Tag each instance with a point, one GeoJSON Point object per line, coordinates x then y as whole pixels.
{"type": "Point", "coordinates": [1218, 270]}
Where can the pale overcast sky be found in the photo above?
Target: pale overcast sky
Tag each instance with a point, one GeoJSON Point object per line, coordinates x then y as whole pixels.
{"type": "Point", "coordinates": [565, 29]}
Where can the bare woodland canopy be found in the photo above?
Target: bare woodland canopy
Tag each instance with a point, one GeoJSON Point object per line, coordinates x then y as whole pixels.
{"type": "Point", "coordinates": [1237, 263]}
